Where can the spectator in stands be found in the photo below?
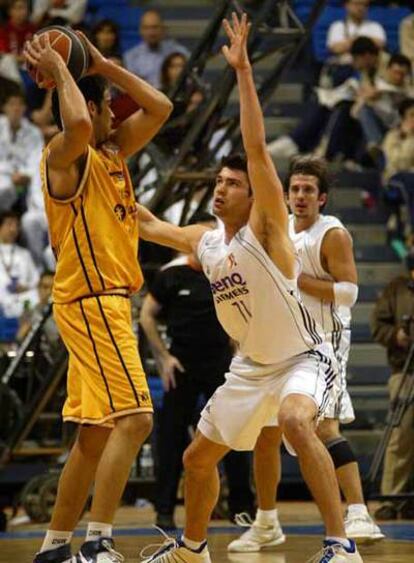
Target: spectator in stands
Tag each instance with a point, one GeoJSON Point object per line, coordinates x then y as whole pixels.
{"type": "Point", "coordinates": [329, 115]}
{"type": "Point", "coordinates": [32, 314]}
{"type": "Point", "coordinates": [145, 60]}
{"type": "Point", "coordinates": [342, 33]}
{"type": "Point", "coordinates": [392, 326]}
{"type": "Point", "coordinates": [58, 12]}
{"type": "Point", "coordinates": [377, 103]}
{"type": "Point", "coordinates": [105, 36]}
{"type": "Point", "coordinates": [171, 69]}
{"type": "Point", "coordinates": [21, 145]}
{"type": "Point", "coordinates": [407, 37]}
{"type": "Point", "coordinates": [398, 150]}
{"type": "Point", "coordinates": [18, 274]}
{"type": "Point", "coordinates": [192, 367]}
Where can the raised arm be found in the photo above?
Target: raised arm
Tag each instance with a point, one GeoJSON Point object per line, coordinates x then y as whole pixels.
{"type": "Point", "coordinates": [138, 129]}
{"type": "Point", "coordinates": [183, 239]}
{"type": "Point", "coordinates": [269, 202]}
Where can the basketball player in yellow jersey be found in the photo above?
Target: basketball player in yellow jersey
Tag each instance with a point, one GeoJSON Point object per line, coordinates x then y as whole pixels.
{"type": "Point", "coordinates": [94, 233]}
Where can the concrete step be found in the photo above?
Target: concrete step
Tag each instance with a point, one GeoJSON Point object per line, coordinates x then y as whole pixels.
{"type": "Point", "coordinates": [362, 215]}
{"type": "Point", "coordinates": [277, 126]}
{"type": "Point", "coordinates": [284, 93]}
{"type": "Point", "coordinates": [361, 313]}
{"type": "Point", "coordinates": [367, 234]}
{"type": "Point", "coordinates": [378, 272]}
{"type": "Point", "coordinates": [375, 253]}
{"type": "Point", "coordinates": [146, 4]}
{"type": "Point", "coordinates": [343, 197]}
{"type": "Point", "coordinates": [367, 355]}
{"type": "Point", "coordinates": [359, 375]}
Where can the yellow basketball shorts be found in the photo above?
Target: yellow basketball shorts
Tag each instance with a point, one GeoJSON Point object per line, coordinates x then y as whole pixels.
{"type": "Point", "coordinates": [105, 376]}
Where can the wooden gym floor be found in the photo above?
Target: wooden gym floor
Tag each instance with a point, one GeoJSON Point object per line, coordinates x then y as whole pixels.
{"type": "Point", "coordinates": [300, 521]}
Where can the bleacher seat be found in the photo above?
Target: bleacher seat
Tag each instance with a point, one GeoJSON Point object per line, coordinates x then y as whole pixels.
{"type": "Point", "coordinates": [8, 329]}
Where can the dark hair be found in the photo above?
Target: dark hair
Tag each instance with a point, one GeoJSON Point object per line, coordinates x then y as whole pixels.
{"type": "Point", "coordinates": [201, 217]}
{"type": "Point", "coordinates": [164, 69]}
{"type": "Point", "coordinates": [404, 106]}
{"type": "Point", "coordinates": [310, 166]}
{"type": "Point", "coordinates": [4, 215]}
{"type": "Point", "coordinates": [114, 28]}
{"type": "Point", "coordinates": [399, 59]}
{"type": "Point", "coordinates": [15, 92]}
{"type": "Point", "coordinates": [46, 274]}
{"type": "Point", "coordinates": [93, 89]}
{"type": "Point", "coordinates": [363, 46]}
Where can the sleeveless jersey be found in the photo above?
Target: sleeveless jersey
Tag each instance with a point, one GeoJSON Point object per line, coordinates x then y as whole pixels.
{"type": "Point", "coordinates": [94, 234]}
{"type": "Point", "coordinates": [334, 320]}
{"type": "Point", "coordinates": [255, 303]}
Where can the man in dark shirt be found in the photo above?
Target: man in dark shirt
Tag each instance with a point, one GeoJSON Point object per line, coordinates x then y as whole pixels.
{"type": "Point", "coordinates": [192, 367]}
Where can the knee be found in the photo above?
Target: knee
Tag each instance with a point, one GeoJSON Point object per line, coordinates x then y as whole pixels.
{"type": "Point", "coordinates": [91, 441]}
{"type": "Point", "coordinates": [136, 426]}
{"type": "Point", "coordinates": [297, 427]}
{"type": "Point", "coordinates": [195, 462]}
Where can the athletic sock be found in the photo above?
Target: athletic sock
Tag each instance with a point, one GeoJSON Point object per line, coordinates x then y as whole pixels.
{"type": "Point", "coordinates": [343, 541]}
{"type": "Point", "coordinates": [357, 510]}
{"type": "Point", "coordinates": [266, 517]}
{"type": "Point", "coordinates": [54, 539]}
{"type": "Point", "coordinates": [98, 530]}
{"type": "Point", "coordinates": [193, 545]}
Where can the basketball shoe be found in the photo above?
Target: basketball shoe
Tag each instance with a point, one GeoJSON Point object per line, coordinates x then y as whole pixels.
{"type": "Point", "coordinates": [333, 552]}
{"type": "Point", "coordinates": [99, 551]}
{"type": "Point", "coordinates": [362, 527]}
{"type": "Point", "coordinates": [172, 551]}
{"type": "Point", "coordinates": [60, 554]}
{"type": "Point", "coordinates": [257, 537]}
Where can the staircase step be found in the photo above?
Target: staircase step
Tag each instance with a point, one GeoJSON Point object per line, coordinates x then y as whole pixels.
{"type": "Point", "coordinates": [367, 234]}
{"type": "Point", "coordinates": [366, 180]}
{"type": "Point", "coordinates": [378, 272]}
{"type": "Point", "coordinates": [375, 253]}
{"type": "Point", "coordinates": [368, 375]}
{"type": "Point", "coordinates": [369, 292]}
{"type": "Point", "coordinates": [343, 197]}
{"type": "Point", "coordinates": [367, 355]}
{"type": "Point", "coordinates": [362, 215]}
{"type": "Point", "coordinates": [361, 312]}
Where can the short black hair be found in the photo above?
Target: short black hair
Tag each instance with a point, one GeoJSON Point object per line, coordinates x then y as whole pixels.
{"type": "Point", "coordinates": [399, 59]}
{"type": "Point", "coordinates": [404, 106]}
{"type": "Point", "coordinates": [93, 89]}
{"type": "Point", "coordinates": [202, 217]}
{"type": "Point", "coordinates": [310, 166]}
{"type": "Point", "coordinates": [15, 92]}
{"type": "Point", "coordinates": [4, 215]}
{"type": "Point", "coordinates": [363, 46]}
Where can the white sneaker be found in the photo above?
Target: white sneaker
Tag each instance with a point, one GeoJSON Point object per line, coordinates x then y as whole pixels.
{"type": "Point", "coordinates": [362, 527]}
{"type": "Point", "coordinates": [284, 147]}
{"type": "Point", "coordinates": [257, 537]}
{"type": "Point", "coordinates": [99, 551]}
{"type": "Point", "coordinates": [336, 553]}
{"type": "Point", "coordinates": [174, 551]}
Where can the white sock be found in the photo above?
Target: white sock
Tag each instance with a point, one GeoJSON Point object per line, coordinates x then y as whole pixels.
{"type": "Point", "coordinates": [194, 545]}
{"type": "Point", "coordinates": [98, 530]}
{"type": "Point", "coordinates": [55, 539]}
{"type": "Point", "coordinates": [266, 517]}
{"type": "Point", "coordinates": [343, 541]}
{"type": "Point", "coordinates": [357, 509]}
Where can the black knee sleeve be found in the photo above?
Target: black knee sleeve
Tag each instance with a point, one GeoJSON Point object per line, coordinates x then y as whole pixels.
{"type": "Point", "coordinates": [340, 452]}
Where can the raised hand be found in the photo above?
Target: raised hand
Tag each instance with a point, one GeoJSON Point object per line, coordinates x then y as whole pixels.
{"type": "Point", "coordinates": [97, 60]}
{"type": "Point", "coordinates": [40, 55]}
{"type": "Point", "coordinates": [237, 32]}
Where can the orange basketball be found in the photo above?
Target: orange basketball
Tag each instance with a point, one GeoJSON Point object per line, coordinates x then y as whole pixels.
{"type": "Point", "coordinates": [71, 48]}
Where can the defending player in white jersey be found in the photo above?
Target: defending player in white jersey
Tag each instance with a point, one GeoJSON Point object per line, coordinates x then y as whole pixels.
{"type": "Point", "coordinates": [328, 285]}
{"type": "Point", "coordinates": [282, 367]}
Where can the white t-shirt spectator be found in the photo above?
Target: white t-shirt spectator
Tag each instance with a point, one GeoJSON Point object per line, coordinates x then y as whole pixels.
{"type": "Point", "coordinates": [346, 29]}
{"type": "Point", "coordinates": [16, 267]}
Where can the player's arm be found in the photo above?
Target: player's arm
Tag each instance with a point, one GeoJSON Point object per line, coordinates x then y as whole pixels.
{"type": "Point", "coordinates": [269, 203]}
{"type": "Point", "coordinates": [338, 260]}
{"type": "Point", "coordinates": [183, 239]}
{"type": "Point", "coordinates": [167, 363]}
{"type": "Point", "coordinates": [71, 144]}
{"type": "Point", "coordinates": [138, 129]}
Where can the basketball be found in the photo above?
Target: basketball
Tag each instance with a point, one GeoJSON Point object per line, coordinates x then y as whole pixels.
{"type": "Point", "coordinates": [72, 49]}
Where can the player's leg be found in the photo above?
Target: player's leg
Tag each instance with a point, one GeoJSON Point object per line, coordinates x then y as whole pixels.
{"type": "Point", "coordinates": [265, 531]}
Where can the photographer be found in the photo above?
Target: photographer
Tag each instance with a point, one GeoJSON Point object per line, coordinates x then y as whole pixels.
{"type": "Point", "coordinates": [392, 326]}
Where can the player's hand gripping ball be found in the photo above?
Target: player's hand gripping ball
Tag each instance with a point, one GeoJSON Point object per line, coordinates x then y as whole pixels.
{"type": "Point", "coordinates": [48, 46]}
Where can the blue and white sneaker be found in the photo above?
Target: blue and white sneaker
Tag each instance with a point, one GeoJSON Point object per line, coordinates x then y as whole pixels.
{"type": "Point", "coordinates": [99, 551]}
{"type": "Point", "coordinates": [60, 554]}
{"type": "Point", "coordinates": [174, 550]}
{"type": "Point", "coordinates": [333, 552]}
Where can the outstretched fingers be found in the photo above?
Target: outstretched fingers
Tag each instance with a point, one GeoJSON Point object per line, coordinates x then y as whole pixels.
{"type": "Point", "coordinates": [229, 31]}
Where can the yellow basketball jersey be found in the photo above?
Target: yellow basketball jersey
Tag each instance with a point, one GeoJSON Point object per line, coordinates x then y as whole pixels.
{"type": "Point", "coordinates": [94, 234]}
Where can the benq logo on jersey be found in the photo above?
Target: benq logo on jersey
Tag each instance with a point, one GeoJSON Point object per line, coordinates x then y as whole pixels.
{"type": "Point", "coordinates": [229, 287]}
{"type": "Point", "coordinates": [120, 211]}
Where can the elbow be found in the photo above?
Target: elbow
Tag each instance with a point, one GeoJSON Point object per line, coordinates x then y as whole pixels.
{"type": "Point", "coordinates": [165, 109]}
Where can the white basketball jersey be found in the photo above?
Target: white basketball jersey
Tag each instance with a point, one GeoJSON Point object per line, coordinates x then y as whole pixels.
{"type": "Point", "coordinates": [255, 303]}
{"type": "Point", "coordinates": [334, 320]}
